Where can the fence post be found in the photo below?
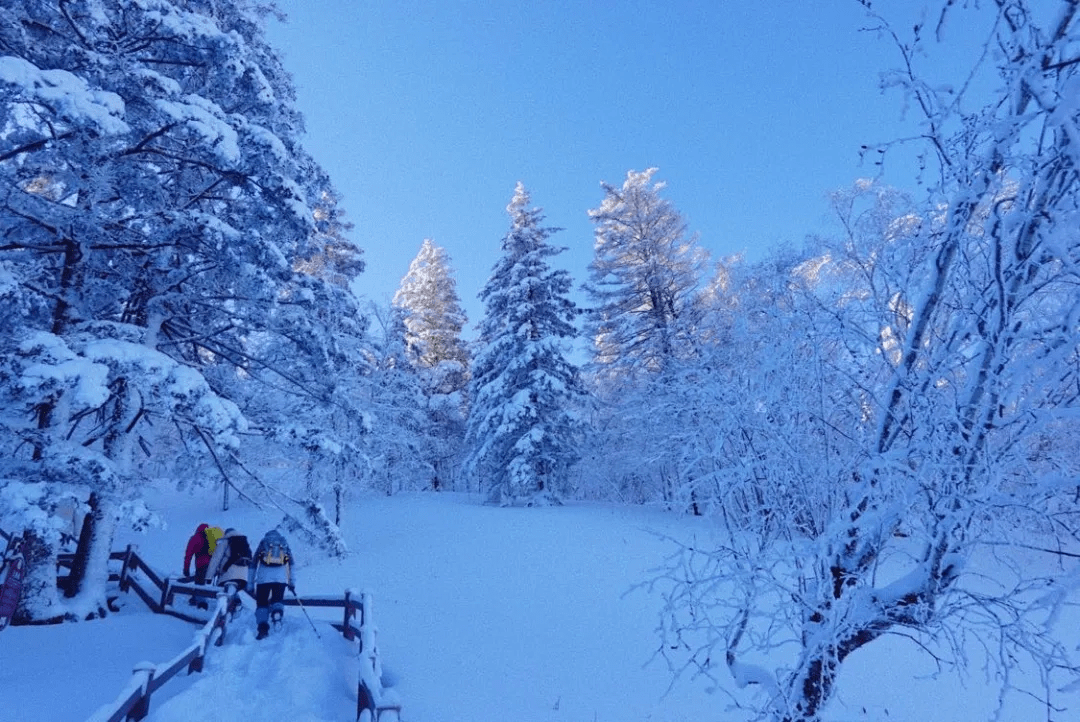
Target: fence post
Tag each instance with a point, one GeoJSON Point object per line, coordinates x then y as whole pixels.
{"type": "Point", "coordinates": [224, 601]}
{"type": "Point", "coordinates": [142, 707]}
{"type": "Point", "coordinates": [129, 563]}
{"type": "Point", "coordinates": [196, 664]}
{"type": "Point", "coordinates": [364, 700]}
{"type": "Point", "coordinates": [166, 593]}
{"type": "Point", "coordinates": [349, 612]}
{"type": "Point", "coordinates": [367, 636]}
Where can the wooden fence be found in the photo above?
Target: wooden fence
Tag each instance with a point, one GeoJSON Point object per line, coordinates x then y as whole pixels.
{"type": "Point", "coordinates": [134, 575]}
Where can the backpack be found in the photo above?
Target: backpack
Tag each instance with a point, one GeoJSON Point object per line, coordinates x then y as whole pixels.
{"type": "Point", "coordinates": [212, 534]}
{"type": "Point", "coordinates": [275, 552]}
{"type": "Point", "coordinates": [239, 552]}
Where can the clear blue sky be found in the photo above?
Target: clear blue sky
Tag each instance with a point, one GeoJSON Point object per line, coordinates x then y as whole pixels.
{"type": "Point", "coordinates": [427, 112]}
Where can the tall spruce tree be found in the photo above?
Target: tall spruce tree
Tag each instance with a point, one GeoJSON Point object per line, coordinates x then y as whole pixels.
{"type": "Point", "coordinates": [523, 432]}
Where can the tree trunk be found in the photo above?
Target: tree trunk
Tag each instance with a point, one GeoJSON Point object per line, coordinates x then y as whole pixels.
{"type": "Point", "coordinates": [60, 321]}
{"type": "Point", "coordinates": [813, 688]}
{"type": "Point", "coordinates": [82, 550]}
{"type": "Point", "coordinates": [87, 591]}
{"type": "Point", "coordinates": [39, 603]}
{"type": "Point", "coordinates": [814, 685]}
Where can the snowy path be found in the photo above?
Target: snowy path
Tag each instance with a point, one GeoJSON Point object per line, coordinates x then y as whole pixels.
{"type": "Point", "coordinates": [292, 675]}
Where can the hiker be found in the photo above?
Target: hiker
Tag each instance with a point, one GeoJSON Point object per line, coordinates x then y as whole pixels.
{"type": "Point", "coordinates": [200, 547]}
{"type": "Point", "coordinates": [271, 571]}
{"type": "Point", "coordinates": [199, 551]}
{"type": "Point", "coordinates": [230, 560]}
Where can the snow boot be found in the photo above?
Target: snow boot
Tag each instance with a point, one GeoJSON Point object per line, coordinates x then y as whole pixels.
{"type": "Point", "coordinates": [264, 631]}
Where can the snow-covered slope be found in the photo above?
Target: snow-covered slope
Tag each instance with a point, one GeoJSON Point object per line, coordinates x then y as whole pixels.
{"type": "Point", "coordinates": [484, 614]}
{"type": "Point", "coordinates": [291, 675]}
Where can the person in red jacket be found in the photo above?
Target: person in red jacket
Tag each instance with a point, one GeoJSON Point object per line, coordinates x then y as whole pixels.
{"type": "Point", "coordinates": [198, 550]}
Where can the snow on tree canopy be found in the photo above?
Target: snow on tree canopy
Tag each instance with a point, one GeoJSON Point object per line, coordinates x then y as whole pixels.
{"type": "Point", "coordinates": [158, 209]}
{"type": "Point", "coordinates": [70, 95]}
{"type": "Point", "coordinates": [56, 365]}
{"type": "Point", "coordinates": [523, 425]}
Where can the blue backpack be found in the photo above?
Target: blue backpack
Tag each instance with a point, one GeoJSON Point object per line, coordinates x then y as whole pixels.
{"type": "Point", "coordinates": [274, 550]}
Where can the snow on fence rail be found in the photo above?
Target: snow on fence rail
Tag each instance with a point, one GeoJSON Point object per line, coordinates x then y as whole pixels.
{"type": "Point", "coordinates": [133, 702]}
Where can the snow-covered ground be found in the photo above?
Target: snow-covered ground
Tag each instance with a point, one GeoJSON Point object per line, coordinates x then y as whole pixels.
{"type": "Point", "coordinates": [484, 614]}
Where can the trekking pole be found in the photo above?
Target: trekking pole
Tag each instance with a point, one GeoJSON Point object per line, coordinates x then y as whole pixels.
{"type": "Point", "coordinates": [301, 604]}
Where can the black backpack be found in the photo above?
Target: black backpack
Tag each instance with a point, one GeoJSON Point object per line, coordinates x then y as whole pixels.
{"type": "Point", "coordinates": [239, 552]}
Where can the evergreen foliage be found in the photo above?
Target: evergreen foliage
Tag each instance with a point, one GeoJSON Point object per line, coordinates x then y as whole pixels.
{"type": "Point", "coordinates": [433, 315]}
{"type": "Point", "coordinates": [643, 283]}
{"type": "Point", "coordinates": [642, 280]}
{"type": "Point", "coordinates": [403, 445]}
{"type": "Point", "coordinates": [433, 319]}
{"type": "Point", "coordinates": [524, 424]}
{"type": "Point", "coordinates": [155, 205]}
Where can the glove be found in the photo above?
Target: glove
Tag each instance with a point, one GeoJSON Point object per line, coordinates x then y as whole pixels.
{"type": "Point", "coordinates": [292, 588]}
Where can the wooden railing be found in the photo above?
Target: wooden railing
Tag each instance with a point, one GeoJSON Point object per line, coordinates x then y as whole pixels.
{"type": "Point", "coordinates": [157, 592]}
{"type": "Point", "coordinates": [133, 702]}
{"type": "Point", "coordinates": [371, 700]}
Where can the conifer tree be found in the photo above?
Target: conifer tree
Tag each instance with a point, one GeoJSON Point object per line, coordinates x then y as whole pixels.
{"type": "Point", "coordinates": [432, 311]}
{"type": "Point", "coordinates": [433, 320]}
{"type": "Point", "coordinates": [403, 444]}
{"type": "Point", "coordinates": [643, 283]}
{"type": "Point", "coordinates": [642, 279]}
{"type": "Point", "coordinates": [523, 432]}
{"type": "Point", "coordinates": [155, 205]}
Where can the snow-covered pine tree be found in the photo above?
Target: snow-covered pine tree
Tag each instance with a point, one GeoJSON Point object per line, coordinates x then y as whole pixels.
{"type": "Point", "coordinates": [433, 316]}
{"type": "Point", "coordinates": [153, 202]}
{"type": "Point", "coordinates": [402, 444]}
{"type": "Point", "coordinates": [642, 279]}
{"type": "Point", "coordinates": [434, 319]}
{"type": "Point", "coordinates": [643, 284]}
{"type": "Point", "coordinates": [329, 254]}
{"type": "Point", "coordinates": [524, 424]}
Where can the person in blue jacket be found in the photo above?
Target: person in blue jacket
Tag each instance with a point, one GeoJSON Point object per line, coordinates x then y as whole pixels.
{"type": "Point", "coordinates": [270, 573]}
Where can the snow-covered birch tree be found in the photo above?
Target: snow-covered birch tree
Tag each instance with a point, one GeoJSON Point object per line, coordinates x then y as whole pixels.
{"type": "Point", "coordinates": [524, 426]}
